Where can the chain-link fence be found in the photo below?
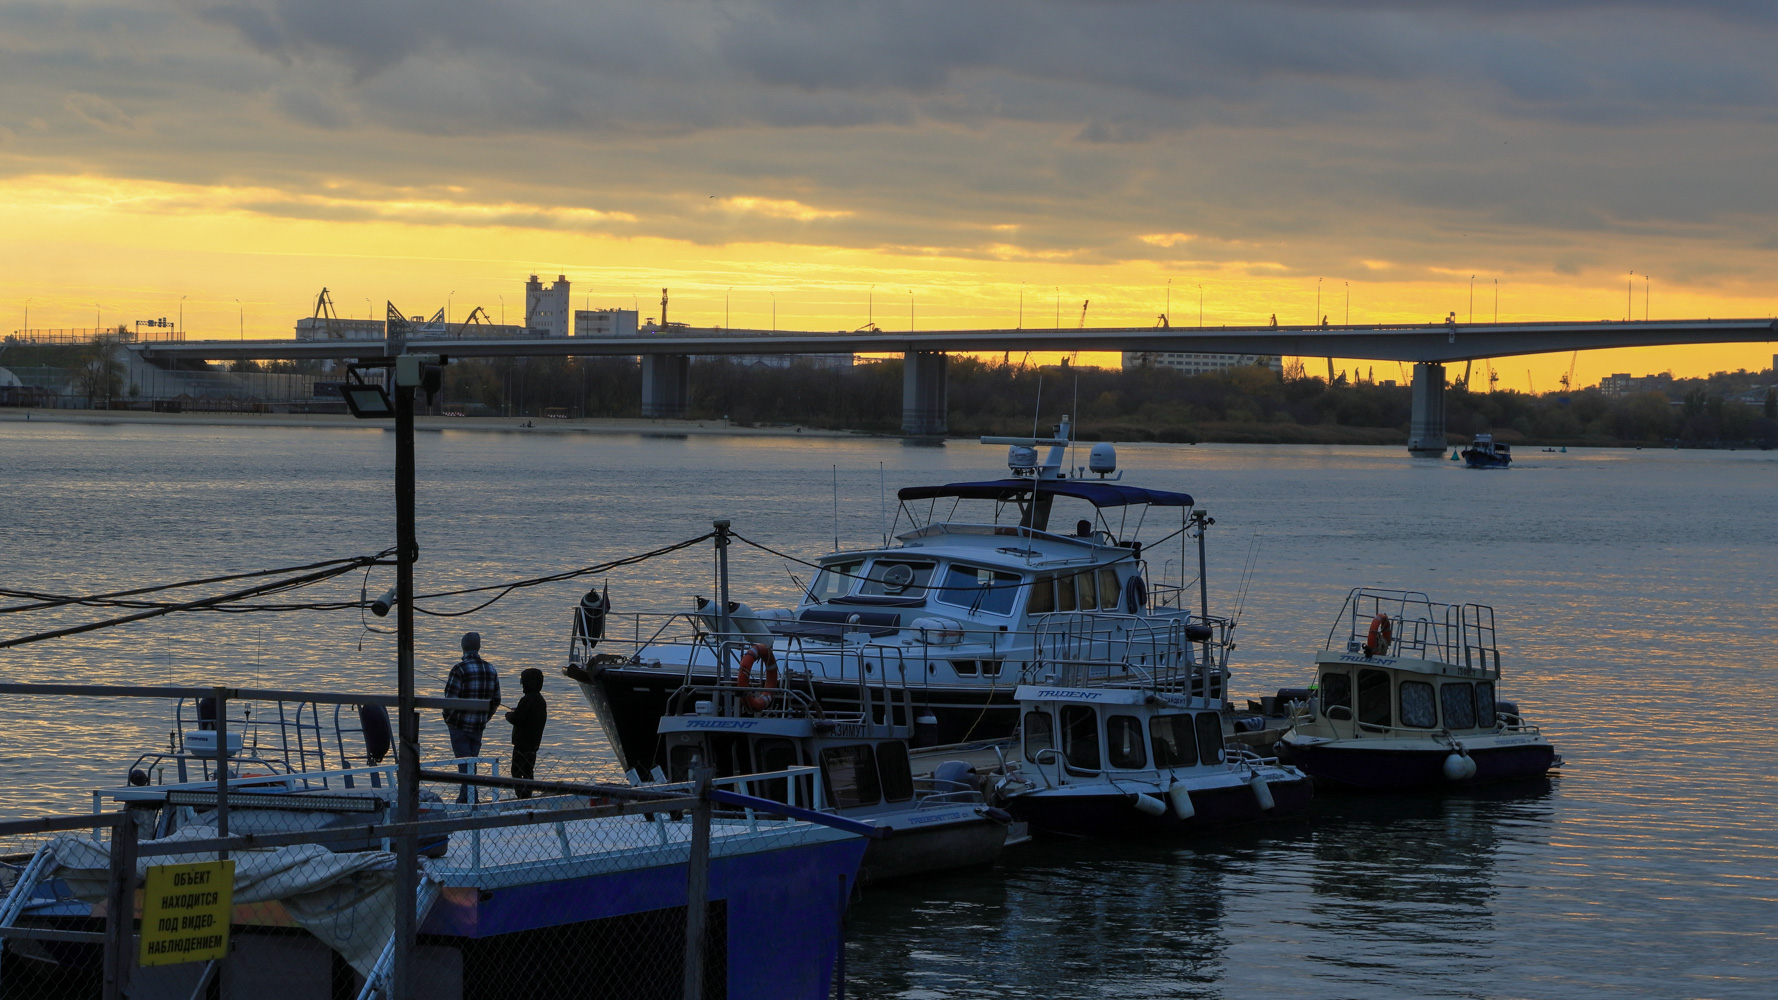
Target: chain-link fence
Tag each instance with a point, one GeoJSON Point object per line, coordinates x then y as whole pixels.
{"type": "Point", "coordinates": [528, 889]}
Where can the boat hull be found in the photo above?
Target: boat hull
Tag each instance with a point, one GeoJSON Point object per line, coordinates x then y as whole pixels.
{"type": "Point", "coordinates": [636, 698]}
{"type": "Point", "coordinates": [1376, 768]}
{"type": "Point", "coordinates": [1483, 460]}
{"type": "Point", "coordinates": [1109, 813]}
{"type": "Point", "coordinates": [917, 851]}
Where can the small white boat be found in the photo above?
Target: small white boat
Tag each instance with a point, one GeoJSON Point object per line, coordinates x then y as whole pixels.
{"type": "Point", "coordinates": [1406, 697]}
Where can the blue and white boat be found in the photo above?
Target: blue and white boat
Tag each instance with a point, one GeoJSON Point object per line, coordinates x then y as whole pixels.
{"type": "Point", "coordinates": [952, 608]}
{"type": "Point", "coordinates": [1406, 697]}
{"type": "Point", "coordinates": [581, 906]}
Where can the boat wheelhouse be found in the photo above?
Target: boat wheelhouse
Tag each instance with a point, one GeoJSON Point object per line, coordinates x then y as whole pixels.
{"type": "Point", "coordinates": [1406, 695]}
{"type": "Point", "coordinates": [962, 607]}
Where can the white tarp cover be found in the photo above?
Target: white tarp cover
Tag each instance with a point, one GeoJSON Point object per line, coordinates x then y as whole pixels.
{"type": "Point", "coordinates": [345, 900]}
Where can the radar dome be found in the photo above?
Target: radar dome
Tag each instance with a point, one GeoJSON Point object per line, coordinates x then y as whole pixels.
{"type": "Point", "coordinates": [1103, 458]}
{"type": "Point", "coordinates": [1021, 458]}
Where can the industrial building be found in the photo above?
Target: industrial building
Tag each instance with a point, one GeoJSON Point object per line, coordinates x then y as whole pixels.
{"type": "Point", "coordinates": [1199, 364]}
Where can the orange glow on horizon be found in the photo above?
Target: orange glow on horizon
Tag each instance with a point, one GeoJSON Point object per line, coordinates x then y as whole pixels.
{"type": "Point", "coordinates": [249, 262]}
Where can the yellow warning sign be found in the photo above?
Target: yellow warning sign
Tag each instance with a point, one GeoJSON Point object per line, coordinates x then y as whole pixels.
{"type": "Point", "coordinates": [185, 911]}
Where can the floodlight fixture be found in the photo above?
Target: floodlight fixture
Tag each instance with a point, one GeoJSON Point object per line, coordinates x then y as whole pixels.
{"type": "Point", "coordinates": [367, 402]}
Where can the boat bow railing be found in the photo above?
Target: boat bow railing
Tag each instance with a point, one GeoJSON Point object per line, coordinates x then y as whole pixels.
{"type": "Point", "coordinates": [1420, 628]}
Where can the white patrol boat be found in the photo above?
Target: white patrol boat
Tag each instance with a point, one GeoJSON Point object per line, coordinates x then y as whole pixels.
{"type": "Point", "coordinates": [1113, 751]}
{"type": "Point", "coordinates": [957, 610]}
{"type": "Point", "coordinates": [1406, 696]}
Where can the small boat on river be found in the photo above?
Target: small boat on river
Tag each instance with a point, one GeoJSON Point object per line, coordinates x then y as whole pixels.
{"type": "Point", "coordinates": [1406, 697]}
{"type": "Point", "coordinates": [1486, 453]}
{"type": "Point", "coordinates": [776, 744]}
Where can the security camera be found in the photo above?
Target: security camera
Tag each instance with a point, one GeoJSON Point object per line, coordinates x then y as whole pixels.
{"type": "Point", "coordinates": [380, 607]}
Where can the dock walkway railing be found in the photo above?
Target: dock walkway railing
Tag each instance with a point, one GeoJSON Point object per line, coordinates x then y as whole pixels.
{"type": "Point", "coordinates": [314, 899]}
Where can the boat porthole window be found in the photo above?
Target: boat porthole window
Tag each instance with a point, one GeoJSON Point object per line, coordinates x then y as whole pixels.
{"type": "Point", "coordinates": [1040, 735]}
{"type": "Point", "coordinates": [1209, 725]}
{"type": "Point", "coordinates": [1174, 745]}
{"type": "Point", "coordinates": [1457, 703]}
{"type": "Point", "coordinates": [869, 668]}
{"type": "Point", "coordinates": [964, 668]}
{"type": "Point", "coordinates": [1417, 710]}
{"type": "Point", "coordinates": [1484, 704]}
{"type": "Point", "coordinates": [1373, 698]}
{"type": "Point", "coordinates": [1123, 742]}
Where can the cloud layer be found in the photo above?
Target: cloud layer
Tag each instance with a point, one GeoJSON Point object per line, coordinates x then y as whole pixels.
{"type": "Point", "coordinates": [1308, 137]}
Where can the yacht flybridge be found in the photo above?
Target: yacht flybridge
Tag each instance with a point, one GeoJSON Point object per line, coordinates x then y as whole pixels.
{"type": "Point", "coordinates": [978, 595]}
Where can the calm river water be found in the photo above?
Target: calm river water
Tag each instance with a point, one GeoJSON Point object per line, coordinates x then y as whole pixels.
{"type": "Point", "coordinates": [1635, 592]}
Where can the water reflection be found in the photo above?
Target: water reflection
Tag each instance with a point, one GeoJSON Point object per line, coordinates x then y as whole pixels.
{"type": "Point", "coordinates": [1375, 896]}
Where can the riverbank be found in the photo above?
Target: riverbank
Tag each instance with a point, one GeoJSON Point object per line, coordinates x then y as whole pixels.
{"type": "Point", "coordinates": [512, 425]}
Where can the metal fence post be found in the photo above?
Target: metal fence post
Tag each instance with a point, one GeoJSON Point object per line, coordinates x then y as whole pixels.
{"type": "Point", "coordinates": [221, 697]}
{"type": "Point", "coordinates": [120, 910]}
{"type": "Point", "coordinates": [697, 887]}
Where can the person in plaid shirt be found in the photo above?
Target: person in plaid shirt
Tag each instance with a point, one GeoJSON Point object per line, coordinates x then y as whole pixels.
{"type": "Point", "coordinates": [472, 678]}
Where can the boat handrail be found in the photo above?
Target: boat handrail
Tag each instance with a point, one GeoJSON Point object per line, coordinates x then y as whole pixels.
{"type": "Point", "coordinates": [1459, 633]}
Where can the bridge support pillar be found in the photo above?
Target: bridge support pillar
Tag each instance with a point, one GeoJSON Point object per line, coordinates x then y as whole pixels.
{"type": "Point", "coordinates": [666, 385]}
{"type": "Point", "coordinates": [924, 397]}
{"type": "Point", "coordinates": [1426, 431]}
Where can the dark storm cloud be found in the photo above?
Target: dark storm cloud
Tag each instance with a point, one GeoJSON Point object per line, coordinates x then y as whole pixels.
{"type": "Point", "coordinates": [1356, 129]}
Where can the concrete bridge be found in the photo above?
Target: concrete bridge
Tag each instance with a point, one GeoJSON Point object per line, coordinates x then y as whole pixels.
{"type": "Point", "coordinates": [666, 355]}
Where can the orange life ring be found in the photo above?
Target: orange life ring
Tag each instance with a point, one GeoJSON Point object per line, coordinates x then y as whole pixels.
{"type": "Point", "coordinates": [1382, 632]}
{"type": "Point", "coordinates": [759, 652]}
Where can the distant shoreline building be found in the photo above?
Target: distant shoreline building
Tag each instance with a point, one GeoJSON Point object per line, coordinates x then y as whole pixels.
{"type": "Point", "coordinates": [1624, 384]}
{"type": "Point", "coordinates": [1199, 364]}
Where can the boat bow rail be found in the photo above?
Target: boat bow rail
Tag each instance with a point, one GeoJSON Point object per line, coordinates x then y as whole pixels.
{"type": "Point", "coordinates": [1150, 653]}
{"type": "Point", "coordinates": [1419, 628]}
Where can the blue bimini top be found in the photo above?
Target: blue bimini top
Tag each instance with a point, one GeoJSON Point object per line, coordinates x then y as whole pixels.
{"type": "Point", "coordinates": [1096, 492]}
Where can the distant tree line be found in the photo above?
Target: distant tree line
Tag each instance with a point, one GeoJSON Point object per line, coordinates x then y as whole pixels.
{"type": "Point", "coordinates": [987, 396]}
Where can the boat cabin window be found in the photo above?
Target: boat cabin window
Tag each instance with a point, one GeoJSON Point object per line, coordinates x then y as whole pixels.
{"type": "Point", "coordinates": [1173, 742]}
{"type": "Point", "coordinates": [1080, 737]}
{"type": "Point", "coordinates": [896, 578]}
{"type": "Point", "coordinates": [851, 773]}
{"type": "Point", "coordinates": [1040, 735]}
{"type": "Point", "coordinates": [1088, 590]}
{"type": "Point", "coordinates": [979, 590]}
{"type": "Point", "coordinates": [1458, 703]}
{"type": "Point", "coordinates": [1109, 590]}
{"type": "Point", "coordinates": [1123, 742]}
{"type": "Point", "coordinates": [1373, 698]}
{"type": "Point", "coordinates": [683, 758]}
{"type": "Point", "coordinates": [971, 668]}
{"type": "Point", "coordinates": [1417, 709]}
{"type": "Point", "coordinates": [835, 580]}
{"type": "Point", "coordinates": [1484, 704]}
{"type": "Point", "coordinates": [1336, 693]}
{"type": "Point", "coordinates": [897, 773]}
{"type": "Point", "coordinates": [774, 754]}
{"type": "Point", "coordinates": [1209, 725]}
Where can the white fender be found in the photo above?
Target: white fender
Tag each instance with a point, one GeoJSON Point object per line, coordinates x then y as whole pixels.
{"type": "Point", "coordinates": [1181, 798]}
{"type": "Point", "coordinates": [1262, 793]}
{"type": "Point", "coordinates": [1148, 804]}
{"type": "Point", "coordinates": [1459, 767]}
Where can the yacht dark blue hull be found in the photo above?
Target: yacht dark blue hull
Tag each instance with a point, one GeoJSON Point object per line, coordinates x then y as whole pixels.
{"type": "Point", "coordinates": [1483, 460]}
{"type": "Point", "coordinates": [1410, 770]}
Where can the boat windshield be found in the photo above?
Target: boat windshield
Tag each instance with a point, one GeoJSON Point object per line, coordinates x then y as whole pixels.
{"type": "Point", "coordinates": [896, 578]}
{"type": "Point", "coordinates": [835, 580]}
{"type": "Point", "coordinates": [980, 590]}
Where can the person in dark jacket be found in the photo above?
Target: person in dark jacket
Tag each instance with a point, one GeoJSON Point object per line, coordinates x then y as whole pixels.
{"type": "Point", "coordinates": [527, 721]}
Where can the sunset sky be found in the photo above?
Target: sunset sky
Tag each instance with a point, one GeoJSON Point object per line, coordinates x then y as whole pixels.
{"type": "Point", "coordinates": [949, 155]}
